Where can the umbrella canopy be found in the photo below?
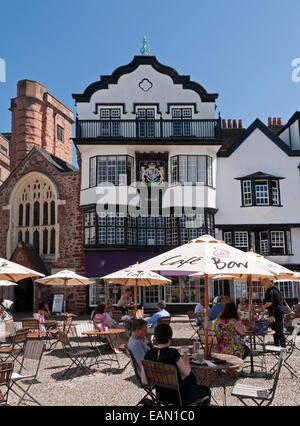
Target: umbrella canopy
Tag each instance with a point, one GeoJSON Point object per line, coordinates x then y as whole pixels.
{"type": "Point", "coordinates": [209, 257]}
{"type": "Point", "coordinates": [137, 278]}
{"type": "Point", "coordinates": [14, 272]}
{"type": "Point", "coordinates": [4, 283]}
{"type": "Point", "coordinates": [65, 279]}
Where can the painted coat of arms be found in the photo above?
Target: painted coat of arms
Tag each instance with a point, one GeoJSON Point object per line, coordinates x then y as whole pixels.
{"type": "Point", "coordinates": [152, 172]}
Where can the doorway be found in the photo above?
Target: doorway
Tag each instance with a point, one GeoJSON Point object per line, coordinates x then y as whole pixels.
{"type": "Point", "coordinates": [24, 296]}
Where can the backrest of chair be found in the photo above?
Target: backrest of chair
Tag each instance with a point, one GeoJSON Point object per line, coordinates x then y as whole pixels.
{"type": "Point", "coordinates": [117, 315]}
{"type": "Point", "coordinates": [21, 335]}
{"type": "Point", "coordinates": [63, 338]}
{"type": "Point", "coordinates": [162, 375]}
{"type": "Point", "coordinates": [283, 355]}
{"type": "Point", "coordinates": [295, 333]}
{"type": "Point", "coordinates": [164, 320]}
{"type": "Point", "coordinates": [6, 369]}
{"type": "Point", "coordinates": [191, 315]}
{"type": "Point", "coordinates": [86, 326]}
{"type": "Point", "coordinates": [68, 323]}
{"type": "Point", "coordinates": [134, 365]}
{"type": "Point", "coordinates": [34, 349]}
{"type": "Point", "coordinates": [31, 324]}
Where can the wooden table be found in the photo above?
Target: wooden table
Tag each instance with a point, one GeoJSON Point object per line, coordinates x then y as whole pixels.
{"type": "Point", "coordinates": [231, 362]}
{"type": "Point", "coordinates": [107, 334]}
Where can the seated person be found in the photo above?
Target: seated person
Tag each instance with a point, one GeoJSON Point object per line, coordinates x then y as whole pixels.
{"type": "Point", "coordinates": [109, 315]}
{"type": "Point", "coordinates": [215, 311]}
{"type": "Point", "coordinates": [229, 331]}
{"type": "Point", "coordinates": [190, 391]}
{"type": "Point", "coordinates": [117, 339]}
{"type": "Point", "coordinates": [136, 342]}
{"type": "Point", "coordinates": [160, 313]}
{"type": "Point", "coordinates": [125, 301]}
{"type": "Point", "coordinates": [44, 310]}
{"type": "Point", "coordinates": [200, 307]}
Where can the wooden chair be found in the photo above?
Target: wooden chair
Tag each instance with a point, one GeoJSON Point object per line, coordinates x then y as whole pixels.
{"type": "Point", "coordinates": [259, 395]}
{"type": "Point", "coordinates": [117, 315]}
{"type": "Point", "coordinates": [193, 322]}
{"type": "Point", "coordinates": [16, 348]}
{"type": "Point", "coordinates": [148, 389]}
{"type": "Point", "coordinates": [165, 376]}
{"type": "Point", "coordinates": [66, 328]}
{"type": "Point", "coordinates": [6, 370]}
{"type": "Point", "coordinates": [78, 355]}
{"type": "Point", "coordinates": [33, 325]}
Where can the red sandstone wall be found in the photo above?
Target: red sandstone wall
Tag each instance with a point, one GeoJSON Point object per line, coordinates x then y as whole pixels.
{"type": "Point", "coordinates": [71, 252]}
{"type": "Point", "coordinates": [35, 115]}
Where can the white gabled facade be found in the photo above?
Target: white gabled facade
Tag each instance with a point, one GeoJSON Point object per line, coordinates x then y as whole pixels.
{"type": "Point", "coordinates": [151, 149]}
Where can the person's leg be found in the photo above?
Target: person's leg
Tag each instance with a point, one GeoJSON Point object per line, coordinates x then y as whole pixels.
{"type": "Point", "coordinates": [281, 335]}
{"type": "Point", "coordinates": [246, 351]}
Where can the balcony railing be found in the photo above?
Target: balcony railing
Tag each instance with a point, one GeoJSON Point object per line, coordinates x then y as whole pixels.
{"type": "Point", "coordinates": [148, 129]}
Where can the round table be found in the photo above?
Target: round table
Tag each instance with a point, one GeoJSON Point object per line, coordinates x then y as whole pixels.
{"type": "Point", "coordinates": [232, 362]}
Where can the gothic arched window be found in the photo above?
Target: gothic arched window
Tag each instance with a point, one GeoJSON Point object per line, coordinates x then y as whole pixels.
{"type": "Point", "coordinates": [35, 214]}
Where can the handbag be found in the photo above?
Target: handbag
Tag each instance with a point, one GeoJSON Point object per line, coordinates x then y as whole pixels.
{"type": "Point", "coordinates": [261, 327]}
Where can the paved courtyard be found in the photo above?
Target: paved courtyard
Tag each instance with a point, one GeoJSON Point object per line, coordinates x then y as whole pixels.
{"type": "Point", "coordinates": [117, 387]}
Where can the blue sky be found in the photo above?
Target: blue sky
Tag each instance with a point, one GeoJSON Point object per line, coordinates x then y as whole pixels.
{"type": "Point", "coordinates": [240, 49]}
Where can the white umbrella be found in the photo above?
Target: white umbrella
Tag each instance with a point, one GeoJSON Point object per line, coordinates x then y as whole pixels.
{"type": "Point", "coordinates": [65, 279]}
{"type": "Point", "coordinates": [136, 277]}
{"type": "Point", "coordinates": [5, 283]}
{"type": "Point", "coordinates": [14, 272]}
{"type": "Point", "coordinates": [209, 257]}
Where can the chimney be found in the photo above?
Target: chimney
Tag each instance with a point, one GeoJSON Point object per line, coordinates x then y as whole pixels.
{"type": "Point", "coordinates": [270, 121]}
{"type": "Point", "coordinates": [274, 121]}
{"type": "Point", "coordinates": [279, 121]}
{"type": "Point", "coordinates": [224, 124]}
{"type": "Point", "coordinates": [241, 126]}
{"type": "Point", "coordinates": [229, 124]}
{"type": "Point", "coordinates": [234, 124]}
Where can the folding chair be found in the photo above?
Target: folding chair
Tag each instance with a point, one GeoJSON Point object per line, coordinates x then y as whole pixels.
{"type": "Point", "coordinates": [67, 324]}
{"type": "Point", "coordinates": [147, 388]}
{"type": "Point", "coordinates": [290, 346]}
{"type": "Point", "coordinates": [193, 322]}
{"type": "Point", "coordinates": [16, 348]}
{"type": "Point", "coordinates": [6, 369]}
{"type": "Point", "coordinates": [117, 315]}
{"type": "Point", "coordinates": [78, 355]}
{"type": "Point", "coordinates": [33, 351]}
{"type": "Point", "coordinates": [259, 395]}
{"type": "Point", "coordinates": [165, 376]}
{"type": "Point", "coordinates": [33, 326]}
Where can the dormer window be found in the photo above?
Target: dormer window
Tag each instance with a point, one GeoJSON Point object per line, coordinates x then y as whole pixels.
{"type": "Point", "coordinates": [181, 123]}
{"type": "Point", "coordinates": [110, 122]}
{"type": "Point", "coordinates": [260, 189]}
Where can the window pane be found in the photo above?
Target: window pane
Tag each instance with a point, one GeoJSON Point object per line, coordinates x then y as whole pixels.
{"type": "Point", "coordinates": [93, 171]}
{"type": "Point", "coordinates": [192, 169]}
{"type": "Point", "coordinates": [201, 178]}
{"type": "Point", "coordinates": [277, 241]}
{"type": "Point", "coordinates": [241, 240]}
{"type": "Point", "coordinates": [262, 192]}
{"type": "Point", "coordinates": [275, 192]}
{"type": "Point", "coordinates": [247, 194]}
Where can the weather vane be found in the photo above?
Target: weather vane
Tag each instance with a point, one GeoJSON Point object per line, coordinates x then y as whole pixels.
{"type": "Point", "coordinates": [144, 50]}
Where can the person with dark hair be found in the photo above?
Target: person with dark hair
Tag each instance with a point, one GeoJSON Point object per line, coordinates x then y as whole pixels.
{"type": "Point", "coordinates": [136, 342]}
{"type": "Point", "coordinates": [161, 312]}
{"type": "Point", "coordinates": [190, 391]}
{"type": "Point", "coordinates": [44, 310]}
{"type": "Point", "coordinates": [229, 331]}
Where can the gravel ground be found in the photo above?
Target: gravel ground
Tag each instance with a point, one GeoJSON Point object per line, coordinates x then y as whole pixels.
{"type": "Point", "coordinates": [117, 387]}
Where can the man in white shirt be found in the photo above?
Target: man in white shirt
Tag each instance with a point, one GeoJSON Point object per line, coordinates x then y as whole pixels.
{"type": "Point", "coordinates": [200, 309]}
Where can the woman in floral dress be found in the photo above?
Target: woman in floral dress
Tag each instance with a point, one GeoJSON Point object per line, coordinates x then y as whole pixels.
{"type": "Point", "coordinates": [229, 331]}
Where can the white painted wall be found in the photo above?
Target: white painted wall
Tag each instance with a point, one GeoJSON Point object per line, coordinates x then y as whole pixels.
{"type": "Point", "coordinates": [128, 91]}
{"type": "Point", "coordinates": [257, 153]}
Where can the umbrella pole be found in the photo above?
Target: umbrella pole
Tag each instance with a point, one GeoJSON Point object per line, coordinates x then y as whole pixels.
{"type": "Point", "coordinates": [135, 296]}
{"type": "Point", "coordinates": [250, 317]}
{"type": "Point", "coordinates": [65, 295]}
{"type": "Point", "coordinates": [206, 325]}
